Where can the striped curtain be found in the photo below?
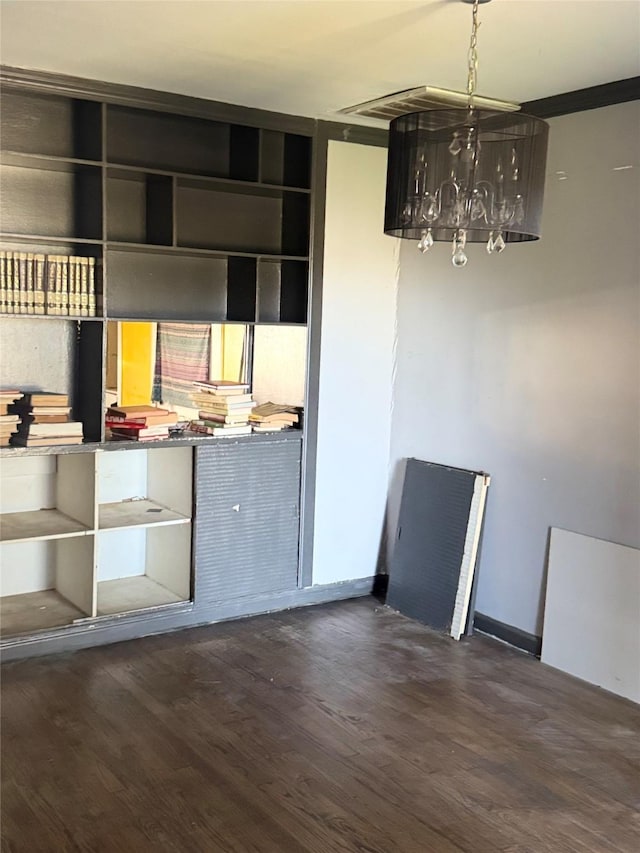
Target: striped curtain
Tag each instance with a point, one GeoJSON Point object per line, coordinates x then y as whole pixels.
{"type": "Point", "coordinates": [183, 352]}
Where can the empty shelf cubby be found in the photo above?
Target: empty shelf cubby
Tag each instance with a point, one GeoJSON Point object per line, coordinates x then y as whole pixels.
{"type": "Point", "coordinates": [73, 196]}
{"type": "Point", "coordinates": [44, 124]}
{"type": "Point", "coordinates": [139, 207]}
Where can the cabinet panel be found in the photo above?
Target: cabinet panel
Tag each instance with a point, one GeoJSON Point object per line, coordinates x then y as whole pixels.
{"type": "Point", "coordinates": [285, 159]}
{"type": "Point", "coordinates": [55, 200]}
{"type": "Point", "coordinates": [247, 520]}
{"type": "Point", "coordinates": [150, 286]}
{"type": "Point", "coordinates": [209, 216]}
{"type": "Point", "coordinates": [36, 123]}
{"type": "Point", "coordinates": [166, 141]}
{"type": "Point", "coordinates": [282, 291]}
{"type": "Point", "coordinates": [139, 207]}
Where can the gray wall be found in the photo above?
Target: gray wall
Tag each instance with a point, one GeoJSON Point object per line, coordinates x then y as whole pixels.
{"type": "Point", "coordinates": [527, 365]}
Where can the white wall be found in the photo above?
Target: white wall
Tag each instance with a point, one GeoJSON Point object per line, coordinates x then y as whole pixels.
{"type": "Point", "coordinates": [527, 365]}
{"type": "Point", "coordinates": [356, 366]}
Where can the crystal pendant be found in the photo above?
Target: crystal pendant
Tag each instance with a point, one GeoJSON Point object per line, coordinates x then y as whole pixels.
{"type": "Point", "coordinates": [426, 241]}
{"type": "Point", "coordinates": [502, 214]}
{"type": "Point", "coordinates": [456, 146]}
{"type": "Point", "coordinates": [499, 244]}
{"type": "Point", "coordinates": [468, 154]}
{"type": "Point", "coordinates": [490, 244]}
{"type": "Point", "coordinates": [515, 171]}
{"type": "Point", "coordinates": [518, 210]}
{"type": "Point", "coordinates": [432, 211]}
{"type": "Point", "coordinates": [458, 256]}
{"type": "Point", "coordinates": [458, 213]}
{"type": "Point", "coordinates": [477, 207]}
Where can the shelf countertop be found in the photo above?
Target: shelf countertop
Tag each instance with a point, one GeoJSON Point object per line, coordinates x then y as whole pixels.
{"type": "Point", "coordinates": [190, 438]}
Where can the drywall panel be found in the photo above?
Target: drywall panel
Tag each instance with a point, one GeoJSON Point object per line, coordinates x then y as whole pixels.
{"type": "Point", "coordinates": [356, 366]}
{"type": "Point", "coordinates": [169, 558]}
{"type": "Point", "coordinates": [75, 569]}
{"type": "Point", "coordinates": [75, 488]}
{"type": "Point", "coordinates": [527, 365]}
{"type": "Point", "coordinates": [592, 612]}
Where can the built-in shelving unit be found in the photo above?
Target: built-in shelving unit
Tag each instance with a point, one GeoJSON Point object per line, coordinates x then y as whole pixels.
{"type": "Point", "coordinates": [187, 219]}
{"type": "Point", "coordinates": [144, 524]}
{"type": "Point", "coordinates": [194, 216]}
{"type": "Point", "coordinates": [47, 525]}
{"type": "Point", "coordinates": [213, 210]}
{"type": "Point", "coordinates": [221, 208]}
{"type": "Point", "coordinates": [88, 534]}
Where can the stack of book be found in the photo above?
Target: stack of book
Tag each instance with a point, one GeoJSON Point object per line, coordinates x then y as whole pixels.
{"type": "Point", "coordinates": [272, 417]}
{"type": "Point", "coordinates": [223, 407]}
{"type": "Point", "coordinates": [8, 420]}
{"type": "Point", "coordinates": [139, 423]}
{"type": "Point", "coordinates": [45, 418]}
{"type": "Point", "coordinates": [60, 285]}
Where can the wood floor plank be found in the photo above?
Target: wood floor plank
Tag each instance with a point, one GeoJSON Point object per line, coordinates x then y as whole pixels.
{"type": "Point", "coordinates": [345, 728]}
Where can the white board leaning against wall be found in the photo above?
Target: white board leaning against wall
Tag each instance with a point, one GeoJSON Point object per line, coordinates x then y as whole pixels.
{"type": "Point", "coordinates": [592, 612]}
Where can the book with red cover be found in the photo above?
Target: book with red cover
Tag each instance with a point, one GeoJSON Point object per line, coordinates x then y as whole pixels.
{"type": "Point", "coordinates": [137, 432]}
{"type": "Point", "coordinates": [121, 423]}
{"type": "Point", "coordinates": [144, 415]}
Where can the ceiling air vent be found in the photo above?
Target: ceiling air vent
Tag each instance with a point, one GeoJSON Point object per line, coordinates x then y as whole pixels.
{"type": "Point", "coordinates": [419, 99]}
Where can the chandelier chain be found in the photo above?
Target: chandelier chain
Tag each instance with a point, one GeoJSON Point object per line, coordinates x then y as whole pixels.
{"type": "Point", "coordinates": [472, 79]}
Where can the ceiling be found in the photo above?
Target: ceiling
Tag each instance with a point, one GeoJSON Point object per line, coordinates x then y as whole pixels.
{"type": "Point", "coordinates": [311, 57]}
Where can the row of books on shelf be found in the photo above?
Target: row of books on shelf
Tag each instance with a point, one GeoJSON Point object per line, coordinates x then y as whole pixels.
{"type": "Point", "coordinates": [39, 418]}
{"type": "Point", "coordinates": [36, 419]}
{"type": "Point", "coordinates": [59, 285]}
{"type": "Point", "coordinates": [227, 408]}
{"type": "Point", "coordinates": [139, 423]}
{"type": "Point", "coordinates": [223, 408]}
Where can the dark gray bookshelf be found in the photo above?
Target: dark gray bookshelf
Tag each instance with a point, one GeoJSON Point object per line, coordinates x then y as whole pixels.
{"type": "Point", "coordinates": [193, 212]}
{"type": "Point", "coordinates": [54, 198]}
{"type": "Point", "coordinates": [187, 287]}
{"type": "Point", "coordinates": [140, 207]}
{"type": "Point", "coordinates": [46, 124]}
{"type": "Point", "coordinates": [188, 218]}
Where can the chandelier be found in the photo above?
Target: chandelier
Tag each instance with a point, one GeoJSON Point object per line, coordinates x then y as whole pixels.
{"type": "Point", "coordinates": [466, 175]}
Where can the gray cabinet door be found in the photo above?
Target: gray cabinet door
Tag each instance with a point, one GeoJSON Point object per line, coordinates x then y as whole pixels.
{"type": "Point", "coordinates": [247, 519]}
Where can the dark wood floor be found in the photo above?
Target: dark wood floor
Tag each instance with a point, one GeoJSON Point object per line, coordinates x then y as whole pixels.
{"type": "Point", "coordinates": [337, 728]}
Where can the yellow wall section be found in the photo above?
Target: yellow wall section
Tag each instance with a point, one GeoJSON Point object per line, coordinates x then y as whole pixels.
{"type": "Point", "coordinates": [137, 342]}
{"type": "Point", "coordinates": [232, 349]}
